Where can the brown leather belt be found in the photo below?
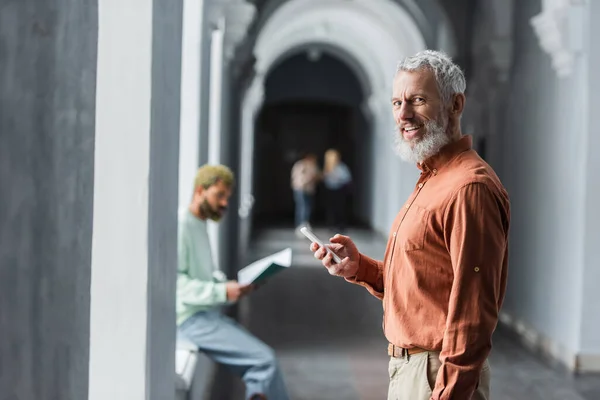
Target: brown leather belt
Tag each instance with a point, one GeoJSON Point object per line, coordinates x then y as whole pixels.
{"type": "Point", "coordinates": [400, 352]}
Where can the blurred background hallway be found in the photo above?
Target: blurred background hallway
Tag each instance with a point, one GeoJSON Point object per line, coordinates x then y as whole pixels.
{"type": "Point", "coordinates": [107, 109]}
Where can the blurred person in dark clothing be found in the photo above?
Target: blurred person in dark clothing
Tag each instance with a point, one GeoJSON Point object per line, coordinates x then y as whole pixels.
{"type": "Point", "coordinates": [304, 179]}
{"type": "Point", "coordinates": [337, 180]}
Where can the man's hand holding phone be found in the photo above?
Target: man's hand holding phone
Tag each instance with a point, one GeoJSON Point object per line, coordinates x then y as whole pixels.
{"type": "Point", "coordinates": [341, 248]}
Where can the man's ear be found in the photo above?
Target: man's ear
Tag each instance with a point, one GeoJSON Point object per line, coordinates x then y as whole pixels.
{"type": "Point", "coordinates": [458, 104]}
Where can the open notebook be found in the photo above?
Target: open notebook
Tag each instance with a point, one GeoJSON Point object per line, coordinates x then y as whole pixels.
{"type": "Point", "coordinates": [265, 267]}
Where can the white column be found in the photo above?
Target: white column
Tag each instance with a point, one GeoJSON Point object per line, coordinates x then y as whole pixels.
{"type": "Point", "coordinates": [247, 143]}
{"type": "Point", "coordinates": [189, 139]}
{"type": "Point", "coordinates": [216, 87]}
{"type": "Point", "coordinates": [122, 165]}
{"type": "Point", "coordinates": [132, 315]}
{"type": "Point", "coordinates": [214, 119]}
{"type": "Point", "coordinates": [253, 100]}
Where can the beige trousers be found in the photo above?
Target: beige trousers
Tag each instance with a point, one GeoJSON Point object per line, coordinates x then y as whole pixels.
{"type": "Point", "coordinates": [415, 378]}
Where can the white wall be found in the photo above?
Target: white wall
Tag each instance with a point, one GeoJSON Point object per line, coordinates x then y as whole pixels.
{"type": "Point", "coordinates": [590, 314]}
{"type": "Point", "coordinates": [545, 169]}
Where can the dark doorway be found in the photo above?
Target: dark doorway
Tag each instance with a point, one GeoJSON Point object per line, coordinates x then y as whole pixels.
{"type": "Point", "coordinates": [285, 132]}
{"type": "Point", "coordinates": [311, 105]}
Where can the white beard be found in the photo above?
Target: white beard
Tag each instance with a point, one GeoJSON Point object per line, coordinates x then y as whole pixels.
{"type": "Point", "coordinates": [433, 140]}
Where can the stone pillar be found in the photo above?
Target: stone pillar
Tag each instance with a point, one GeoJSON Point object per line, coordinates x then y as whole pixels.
{"type": "Point", "coordinates": [132, 346]}
{"type": "Point", "coordinates": [162, 198]}
{"type": "Point", "coordinates": [47, 96]}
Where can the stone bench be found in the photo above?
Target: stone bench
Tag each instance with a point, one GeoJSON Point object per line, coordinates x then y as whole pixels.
{"type": "Point", "coordinates": [194, 372]}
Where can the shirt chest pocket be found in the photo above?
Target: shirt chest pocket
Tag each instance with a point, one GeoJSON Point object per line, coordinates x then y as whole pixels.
{"type": "Point", "coordinates": [413, 229]}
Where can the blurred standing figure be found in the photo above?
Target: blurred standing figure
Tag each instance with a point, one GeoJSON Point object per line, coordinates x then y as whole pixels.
{"type": "Point", "coordinates": [337, 179]}
{"type": "Point", "coordinates": [305, 176]}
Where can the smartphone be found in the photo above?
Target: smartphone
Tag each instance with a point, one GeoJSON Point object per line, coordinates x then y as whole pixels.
{"type": "Point", "coordinates": [313, 238]}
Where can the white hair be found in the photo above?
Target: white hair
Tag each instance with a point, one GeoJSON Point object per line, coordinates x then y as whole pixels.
{"type": "Point", "coordinates": [449, 77]}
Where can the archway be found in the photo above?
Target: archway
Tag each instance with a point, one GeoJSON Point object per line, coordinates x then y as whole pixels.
{"type": "Point", "coordinates": [370, 37]}
{"type": "Point", "coordinates": [312, 103]}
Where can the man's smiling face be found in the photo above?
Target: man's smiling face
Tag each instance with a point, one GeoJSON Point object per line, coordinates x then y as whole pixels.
{"type": "Point", "coordinates": [419, 114]}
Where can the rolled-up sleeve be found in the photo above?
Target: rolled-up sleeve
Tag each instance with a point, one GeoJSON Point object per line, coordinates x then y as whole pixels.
{"type": "Point", "coordinates": [476, 231]}
{"type": "Point", "coordinates": [369, 275]}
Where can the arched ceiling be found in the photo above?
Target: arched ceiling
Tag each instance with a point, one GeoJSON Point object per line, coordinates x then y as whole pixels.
{"type": "Point", "coordinates": [429, 16]}
{"type": "Point", "coordinates": [373, 35]}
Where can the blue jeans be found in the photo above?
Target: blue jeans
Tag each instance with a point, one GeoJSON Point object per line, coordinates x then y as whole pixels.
{"type": "Point", "coordinates": [304, 204]}
{"type": "Point", "coordinates": [228, 343]}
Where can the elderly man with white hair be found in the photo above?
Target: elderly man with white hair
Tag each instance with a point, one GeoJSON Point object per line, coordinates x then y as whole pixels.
{"type": "Point", "coordinates": [443, 276]}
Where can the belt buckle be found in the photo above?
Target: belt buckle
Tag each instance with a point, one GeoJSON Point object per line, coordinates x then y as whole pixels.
{"type": "Point", "coordinates": [404, 354]}
{"type": "Point", "coordinates": [400, 352]}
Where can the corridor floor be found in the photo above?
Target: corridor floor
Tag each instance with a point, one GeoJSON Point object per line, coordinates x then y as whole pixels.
{"type": "Point", "coordinates": [327, 335]}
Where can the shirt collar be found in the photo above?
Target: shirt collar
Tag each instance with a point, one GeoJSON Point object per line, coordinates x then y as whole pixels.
{"type": "Point", "coordinates": [446, 154]}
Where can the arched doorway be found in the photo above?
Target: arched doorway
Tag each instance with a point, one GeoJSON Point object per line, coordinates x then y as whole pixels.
{"type": "Point", "coordinates": [370, 39]}
{"type": "Point", "coordinates": [312, 103]}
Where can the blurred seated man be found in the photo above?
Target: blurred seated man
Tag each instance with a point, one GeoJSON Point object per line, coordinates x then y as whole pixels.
{"type": "Point", "coordinates": [201, 289]}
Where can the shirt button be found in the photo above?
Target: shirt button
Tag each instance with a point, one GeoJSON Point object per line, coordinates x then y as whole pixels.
{"type": "Point", "coordinates": [394, 234]}
{"type": "Point", "coordinates": [407, 206]}
{"type": "Point", "coordinates": [420, 185]}
{"type": "Point", "coordinates": [476, 269]}
{"type": "Point", "coordinates": [434, 171]}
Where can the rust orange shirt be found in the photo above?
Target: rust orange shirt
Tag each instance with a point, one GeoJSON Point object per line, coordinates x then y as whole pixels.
{"type": "Point", "coordinates": [443, 277]}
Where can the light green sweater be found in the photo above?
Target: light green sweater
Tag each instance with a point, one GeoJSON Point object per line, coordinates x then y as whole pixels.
{"type": "Point", "coordinates": [197, 289]}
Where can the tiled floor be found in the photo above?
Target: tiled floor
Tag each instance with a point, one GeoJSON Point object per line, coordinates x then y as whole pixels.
{"type": "Point", "coordinates": [328, 339]}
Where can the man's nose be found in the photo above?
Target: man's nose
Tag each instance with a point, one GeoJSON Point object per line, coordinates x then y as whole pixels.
{"type": "Point", "coordinates": [405, 112]}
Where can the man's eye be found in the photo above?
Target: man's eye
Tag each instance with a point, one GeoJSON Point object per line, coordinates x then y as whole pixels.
{"type": "Point", "coordinates": [418, 100]}
{"type": "Point", "coordinates": [397, 103]}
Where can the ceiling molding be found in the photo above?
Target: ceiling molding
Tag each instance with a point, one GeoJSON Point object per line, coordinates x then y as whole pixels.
{"type": "Point", "coordinates": [558, 29]}
{"type": "Point", "coordinates": [234, 17]}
